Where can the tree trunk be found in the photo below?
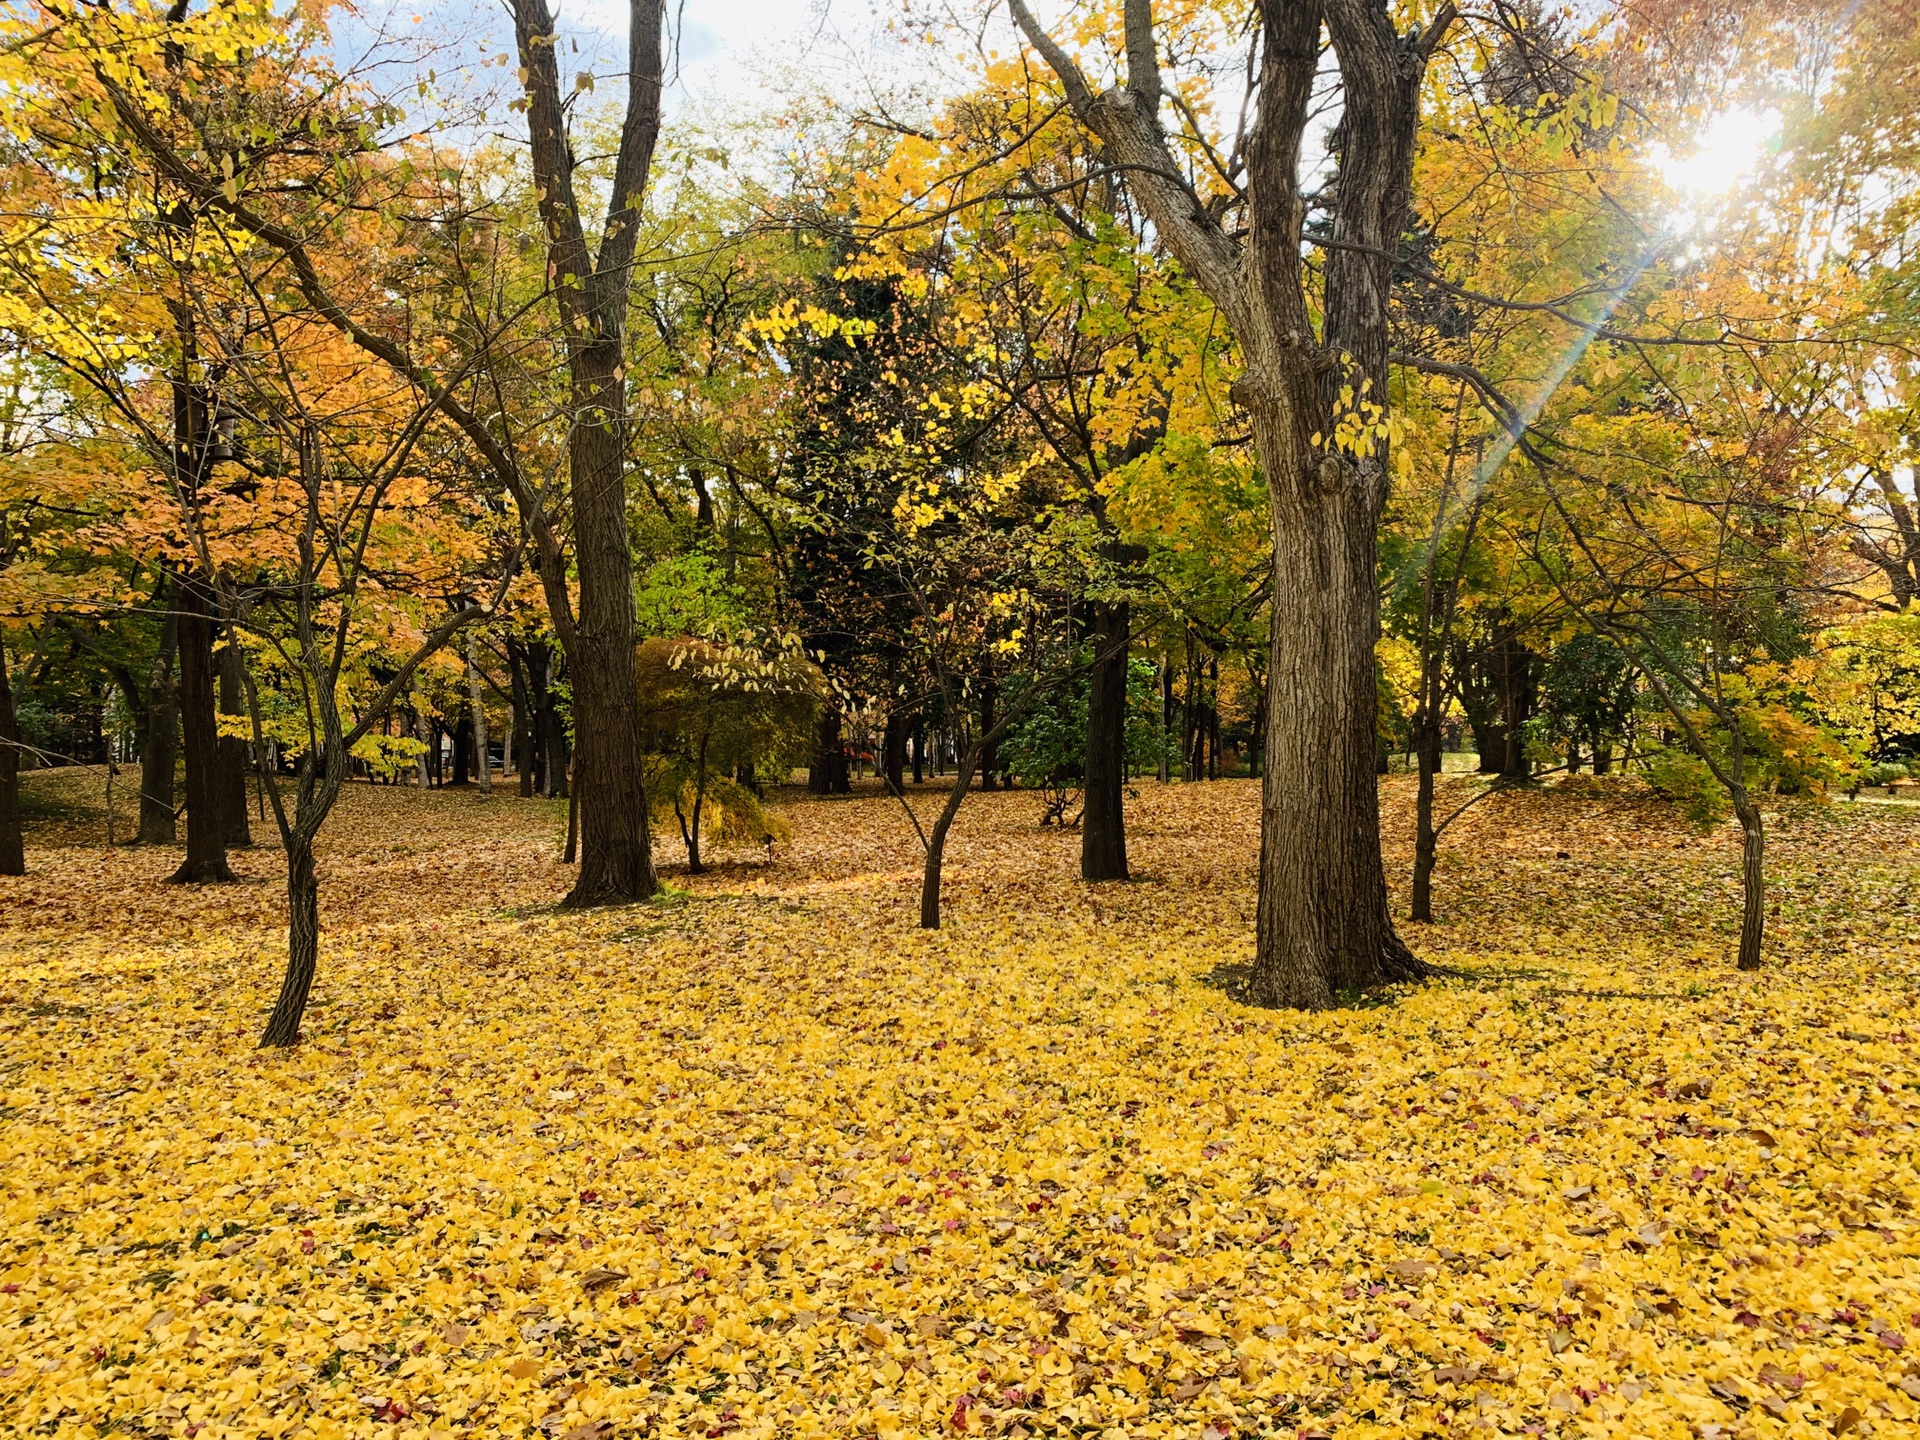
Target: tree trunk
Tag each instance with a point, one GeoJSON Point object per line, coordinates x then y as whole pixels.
{"type": "Point", "coordinates": [1426, 842]}
{"type": "Point", "coordinates": [937, 838]}
{"type": "Point", "coordinates": [893, 750]}
{"type": "Point", "coordinates": [1103, 824]}
{"type": "Point", "coordinates": [1323, 927]}
{"type": "Point", "coordinates": [206, 861]}
{"type": "Point", "coordinates": [524, 733]}
{"type": "Point", "coordinates": [592, 295]}
{"type": "Point", "coordinates": [1753, 881]}
{"type": "Point", "coordinates": [160, 751]}
{"type": "Point", "coordinates": [423, 732]}
{"type": "Point", "coordinates": [1517, 694]}
{"type": "Point", "coordinates": [462, 733]}
{"type": "Point", "coordinates": [13, 857]}
{"type": "Point", "coordinates": [827, 774]}
{"type": "Point", "coordinates": [482, 760]}
{"type": "Point", "coordinates": [232, 752]}
{"type": "Point", "coordinates": [1166, 720]}
{"type": "Point", "coordinates": [571, 854]}
{"type": "Point", "coordinates": [1602, 758]}
{"type": "Point", "coordinates": [919, 751]}
{"type": "Point", "coordinates": [303, 947]}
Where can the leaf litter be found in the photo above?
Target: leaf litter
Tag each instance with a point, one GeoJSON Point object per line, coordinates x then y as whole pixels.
{"type": "Point", "coordinates": [776, 1164]}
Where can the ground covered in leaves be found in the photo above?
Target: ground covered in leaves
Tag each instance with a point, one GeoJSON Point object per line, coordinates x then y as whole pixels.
{"type": "Point", "coordinates": [763, 1160]}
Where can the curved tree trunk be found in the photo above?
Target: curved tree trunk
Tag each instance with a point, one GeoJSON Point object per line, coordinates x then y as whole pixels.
{"type": "Point", "coordinates": [1753, 881]}
{"type": "Point", "coordinates": [1103, 823]}
{"type": "Point", "coordinates": [937, 840]}
{"type": "Point", "coordinates": [13, 856]}
{"type": "Point", "coordinates": [303, 947]}
{"type": "Point", "coordinates": [206, 861]}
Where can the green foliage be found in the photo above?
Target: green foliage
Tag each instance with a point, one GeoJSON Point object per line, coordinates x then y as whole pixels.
{"type": "Point", "coordinates": [690, 594]}
{"type": "Point", "coordinates": [710, 713]}
{"type": "Point", "coordinates": [1587, 690]}
{"type": "Point", "coordinates": [1686, 780]}
{"type": "Point", "coordinates": [1047, 750]}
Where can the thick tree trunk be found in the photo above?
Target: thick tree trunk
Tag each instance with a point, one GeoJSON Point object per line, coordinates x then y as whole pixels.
{"type": "Point", "coordinates": [232, 752]}
{"type": "Point", "coordinates": [608, 781]}
{"type": "Point", "coordinates": [462, 748]}
{"type": "Point", "coordinates": [1103, 824]}
{"type": "Point", "coordinates": [1602, 758]}
{"type": "Point", "coordinates": [206, 861]}
{"type": "Point", "coordinates": [13, 856]}
{"type": "Point", "coordinates": [1517, 695]}
{"type": "Point", "coordinates": [303, 948]}
{"type": "Point", "coordinates": [1753, 881]}
{"type": "Point", "coordinates": [893, 750]}
{"type": "Point", "coordinates": [1323, 928]}
{"type": "Point", "coordinates": [160, 748]}
{"type": "Point", "coordinates": [827, 772]}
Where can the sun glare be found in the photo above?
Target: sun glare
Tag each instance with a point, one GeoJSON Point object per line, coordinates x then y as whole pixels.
{"type": "Point", "coordinates": [1722, 155]}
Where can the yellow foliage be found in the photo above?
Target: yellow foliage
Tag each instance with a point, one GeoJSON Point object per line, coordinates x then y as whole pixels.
{"type": "Point", "coordinates": [768, 1161]}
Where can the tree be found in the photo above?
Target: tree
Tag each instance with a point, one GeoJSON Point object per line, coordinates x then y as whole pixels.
{"type": "Point", "coordinates": [1316, 396]}
{"type": "Point", "coordinates": [591, 291]}
{"type": "Point", "coordinates": [714, 711]}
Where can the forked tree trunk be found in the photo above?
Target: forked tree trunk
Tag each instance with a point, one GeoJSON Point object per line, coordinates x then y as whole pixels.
{"type": "Point", "coordinates": [1103, 824]}
{"type": "Point", "coordinates": [592, 294]}
{"type": "Point", "coordinates": [160, 748]}
{"type": "Point", "coordinates": [13, 856]}
{"type": "Point", "coordinates": [206, 861]}
{"type": "Point", "coordinates": [231, 753]}
{"type": "Point", "coordinates": [303, 947]}
{"type": "Point", "coordinates": [1753, 881]}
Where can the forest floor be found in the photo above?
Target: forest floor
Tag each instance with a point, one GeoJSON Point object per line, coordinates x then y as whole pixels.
{"type": "Point", "coordinates": [762, 1159]}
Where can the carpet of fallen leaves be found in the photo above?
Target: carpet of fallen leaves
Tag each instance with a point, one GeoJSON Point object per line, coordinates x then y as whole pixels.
{"type": "Point", "coordinates": [764, 1160]}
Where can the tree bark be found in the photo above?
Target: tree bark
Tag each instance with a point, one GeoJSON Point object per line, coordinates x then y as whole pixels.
{"type": "Point", "coordinates": [989, 756]}
{"type": "Point", "coordinates": [303, 947]}
{"type": "Point", "coordinates": [160, 748]}
{"type": "Point", "coordinates": [933, 873]}
{"type": "Point", "coordinates": [462, 732]}
{"type": "Point", "coordinates": [1323, 927]}
{"type": "Point", "coordinates": [893, 750]}
{"type": "Point", "coordinates": [827, 773]}
{"type": "Point", "coordinates": [1103, 823]}
{"type": "Point", "coordinates": [1753, 881]}
{"type": "Point", "coordinates": [231, 753]}
{"type": "Point", "coordinates": [525, 734]}
{"type": "Point", "coordinates": [13, 856]}
{"type": "Point", "coordinates": [609, 789]}
{"type": "Point", "coordinates": [206, 860]}
{"type": "Point", "coordinates": [1426, 841]}
{"type": "Point", "coordinates": [482, 761]}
